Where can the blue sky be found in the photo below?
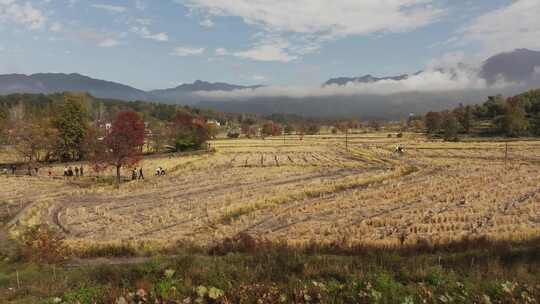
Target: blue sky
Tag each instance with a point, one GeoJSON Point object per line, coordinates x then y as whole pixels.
{"type": "Point", "coordinates": [162, 43]}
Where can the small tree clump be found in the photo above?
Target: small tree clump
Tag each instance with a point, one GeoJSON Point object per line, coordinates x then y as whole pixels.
{"type": "Point", "coordinates": [188, 132]}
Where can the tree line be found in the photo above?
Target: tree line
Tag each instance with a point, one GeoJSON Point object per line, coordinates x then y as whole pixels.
{"type": "Point", "coordinates": [76, 127]}
{"type": "Point", "coordinates": [513, 117]}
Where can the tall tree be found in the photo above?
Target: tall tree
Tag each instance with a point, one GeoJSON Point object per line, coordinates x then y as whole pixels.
{"type": "Point", "coordinates": [71, 122]}
{"type": "Point", "coordinates": [464, 115]}
{"type": "Point", "coordinates": [3, 123]}
{"type": "Point", "coordinates": [271, 129]}
{"type": "Point", "coordinates": [515, 121]}
{"type": "Point", "coordinates": [450, 126]}
{"type": "Point", "coordinates": [433, 121]}
{"type": "Point", "coordinates": [122, 145]}
{"type": "Point", "coordinates": [33, 140]}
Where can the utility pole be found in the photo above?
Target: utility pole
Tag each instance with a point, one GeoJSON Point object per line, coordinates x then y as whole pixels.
{"type": "Point", "coordinates": [506, 154]}
{"type": "Point", "coordinates": [347, 139]}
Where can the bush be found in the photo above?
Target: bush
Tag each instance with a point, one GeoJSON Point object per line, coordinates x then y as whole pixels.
{"type": "Point", "coordinates": [41, 244]}
{"type": "Point", "coordinates": [233, 134]}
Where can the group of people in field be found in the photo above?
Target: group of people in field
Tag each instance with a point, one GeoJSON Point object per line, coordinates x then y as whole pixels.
{"type": "Point", "coordinates": [399, 149]}
{"type": "Point", "coordinates": [78, 171]}
{"type": "Point", "coordinates": [137, 174]}
{"type": "Point", "coordinates": [70, 171]}
{"type": "Point", "coordinates": [160, 171]}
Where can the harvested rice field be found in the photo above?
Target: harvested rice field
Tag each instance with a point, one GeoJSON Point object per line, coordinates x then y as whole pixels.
{"type": "Point", "coordinates": [296, 191]}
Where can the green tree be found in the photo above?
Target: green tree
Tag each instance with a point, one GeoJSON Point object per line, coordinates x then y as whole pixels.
{"type": "Point", "coordinates": [3, 123]}
{"type": "Point", "coordinates": [495, 106]}
{"type": "Point", "coordinates": [464, 116]}
{"type": "Point", "coordinates": [71, 123]}
{"type": "Point", "coordinates": [433, 121]}
{"type": "Point", "coordinates": [450, 126]}
{"type": "Point", "coordinates": [289, 129]}
{"type": "Point", "coordinates": [515, 121]}
{"type": "Point", "coordinates": [188, 132]}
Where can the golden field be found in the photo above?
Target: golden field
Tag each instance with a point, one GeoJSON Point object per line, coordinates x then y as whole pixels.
{"type": "Point", "coordinates": [298, 191]}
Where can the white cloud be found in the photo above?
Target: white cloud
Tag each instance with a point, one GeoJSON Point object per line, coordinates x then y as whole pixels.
{"type": "Point", "coordinates": [143, 21]}
{"type": "Point", "coordinates": [110, 8]}
{"type": "Point", "coordinates": [306, 24]}
{"type": "Point", "coordinates": [221, 52]}
{"type": "Point", "coordinates": [338, 17]}
{"type": "Point", "coordinates": [258, 77]}
{"type": "Point", "coordinates": [268, 48]}
{"type": "Point", "coordinates": [207, 23]}
{"type": "Point", "coordinates": [24, 14]}
{"type": "Point", "coordinates": [99, 38]}
{"type": "Point", "coordinates": [140, 5]}
{"type": "Point", "coordinates": [145, 33]}
{"type": "Point", "coordinates": [434, 79]}
{"type": "Point", "coordinates": [183, 51]}
{"type": "Point", "coordinates": [536, 73]}
{"type": "Point", "coordinates": [108, 42]}
{"type": "Point", "coordinates": [267, 52]}
{"type": "Point", "coordinates": [56, 27]}
{"type": "Point", "coordinates": [513, 26]}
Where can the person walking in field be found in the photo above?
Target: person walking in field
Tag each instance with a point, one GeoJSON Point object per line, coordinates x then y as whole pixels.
{"type": "Point", "coordinates": [81, 171]}
{"type": "Point", "coordinates": [65, 171]}
{"type": "Point", "coordinates": [13, 168]}
{"type": "Point", "coordinates": [76, 171]}
{"type": "Point", "coordinates": [141, 175]}
{"type": "Point", "coordinates": [134, 174]}
{"type": "Point", "coordinates": [70, 171]}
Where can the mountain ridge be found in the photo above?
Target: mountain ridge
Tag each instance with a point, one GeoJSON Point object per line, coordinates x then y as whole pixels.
{"type": "Point", "coordinates": [521, 67]}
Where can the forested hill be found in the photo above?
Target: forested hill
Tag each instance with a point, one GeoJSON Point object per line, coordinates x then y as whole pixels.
{"type": "Point", "coordinates": [102, 109]}
{"type": "Point", "coordinates": [514, 116]}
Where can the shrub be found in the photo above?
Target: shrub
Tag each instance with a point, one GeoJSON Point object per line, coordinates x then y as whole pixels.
{"type": "Point", "coordinates": [42, 244]}
{"type": "Point", "coordinates": [233, 134]}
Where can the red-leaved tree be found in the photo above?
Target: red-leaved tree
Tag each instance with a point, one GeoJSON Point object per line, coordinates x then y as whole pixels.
{"type": "Point", "coordinates": [120, 147]}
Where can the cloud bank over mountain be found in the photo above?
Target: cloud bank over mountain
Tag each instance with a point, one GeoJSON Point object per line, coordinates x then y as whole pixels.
{"type": "Point", "coordinates": [445, 75]}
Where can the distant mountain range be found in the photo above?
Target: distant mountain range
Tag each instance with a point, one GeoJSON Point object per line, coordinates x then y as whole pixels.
{"type": "Point", "coordinates": [54, 82]}
{"type": "Point", "coordinates": [47, 83]}
{"type": "Point", "coordinates": [520, 66]}
{"type": "Point", "coordinates": [517, 66]}
{"type": "Point", "coordinates": [172, 95]}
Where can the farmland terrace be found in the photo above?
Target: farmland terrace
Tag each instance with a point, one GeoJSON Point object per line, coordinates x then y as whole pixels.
{"type": "Point", "coordinates": [300, 192]}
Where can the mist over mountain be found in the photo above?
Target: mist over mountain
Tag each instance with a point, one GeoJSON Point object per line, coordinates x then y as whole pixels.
{"type": "Point", "coordinates": [435, 88]}
{"type": "Point", "coordinates": [183, 92]}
